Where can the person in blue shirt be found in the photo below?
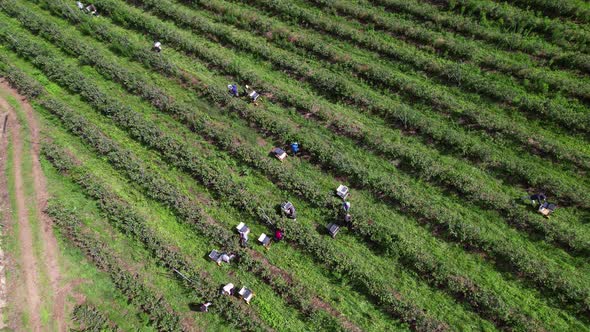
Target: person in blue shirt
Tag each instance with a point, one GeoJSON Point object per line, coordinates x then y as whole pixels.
{"type": "Point", "coordinates": [295, 147]}
{"type": "Point", "coordinates": [233, 89]}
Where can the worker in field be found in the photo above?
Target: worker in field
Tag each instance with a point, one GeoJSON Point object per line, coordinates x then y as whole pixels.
{"type": "Point", "coordinates": [205, 307]}
{"type": "Point", "coordinates": [158, 46]}
{"type": "Point", "coordinates": [279, 234]}
{"type": "Point", "coordinates": [92, 10]}
{"type": "Point", "coordinates": [288, 209]}
{"type": "Point", "coordinates": [346, 207]}
{"type": "Point", "coordinates": [348, 220]}
{"type": "Point", "coordinates": [291, 213]}
{"type": "Point", "coordinates": [538, 198]}
{"type": "Point", "coordinates": [244, 239]}
{"type": "Point", "coordinates": [225, 257]}
{"type": "Point", "coordinates": [294, 148]}
{"type": "Point", "coordinates": [252, 94]}
{"type": "Point", "coordinates": [233, 90]}
{"type": "Point", "coordinates": [547, 208]}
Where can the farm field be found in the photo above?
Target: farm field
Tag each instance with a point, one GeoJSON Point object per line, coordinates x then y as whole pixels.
{"type": "Point", "coordinates": [127, 158]}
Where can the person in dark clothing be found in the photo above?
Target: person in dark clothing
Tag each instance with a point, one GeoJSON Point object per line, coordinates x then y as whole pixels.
{"type": "Point", "coordinates": [291, 214]}
{"type": "Point", "coordinates": [348, 220]}
{"type": "Point", "coordinates": [540, 197]}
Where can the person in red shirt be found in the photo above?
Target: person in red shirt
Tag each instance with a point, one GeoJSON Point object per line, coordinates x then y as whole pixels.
{"type": "Point", "coordinates": [279, 235]}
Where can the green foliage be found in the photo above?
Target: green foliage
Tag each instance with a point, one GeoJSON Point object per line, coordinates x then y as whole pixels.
{"type": "Point", "coordinates": [498, 36]}
{"type": "Point", "coordinates": [458, 223]}
{"type": "Point", "coordinates": [218, 181]}
{"type": "Point", "coordinates": [563, 33]}
{"type": "Point", "coordinates": [124, 217]}
{"type": "Point", "coordinates": [465, 49]}
{"type": "Point", "coordinates": [461, 74]}
{"type": "Point", "coordinates": [449, 136]}
{"type": "Point", "coordinates": [161, 316]}
{"type": "Point", "coordinates": [159, 189]}
{"type": "Point", "coordinates": [454, 283]}
{"type": "Point", "coordinates": [90, 319]}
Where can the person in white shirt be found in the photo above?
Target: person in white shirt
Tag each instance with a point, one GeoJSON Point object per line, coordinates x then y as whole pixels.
{"type": "Point", "coordinates": [158, 47]}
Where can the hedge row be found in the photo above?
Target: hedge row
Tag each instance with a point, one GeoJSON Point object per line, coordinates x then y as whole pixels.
{"type": "Point", "coordinates": [537, 79]}
{"type": "Point", "coordinates": [161, 316]}
{"type": "Point", "coordinates": [569, 114]}
{"type": "Point", "coordinates": [431, 125]}
{"type": "Point", "coordinates": [124, 217]}
{"type": "Point", "coordinates": [292, 96]}
{"type": "Point", "coordinates": [264, 121]}
{"type": "Point", "coordinates": [178, 153]}
{"type": "Point", "coordinates": [159, 189]}
{"type": "Point", "coordinates": [252, 158]}
{"type": "Point", "coordinates": [297, 187]}
{"type": "Point", "coordinates": [293, 291]}
{"type": "Point", "coordinates": [221, 95]}
{"type": "Point", "coordinates": [418, 158]}
{"type": "Point", "coordinates": [577, 10]}
{"type": "Point", "coordinates": [89, 318]}
{"type": "Point", "coordinates": [566, 34]}
{"type": "Point", "coordinates": [498, 36]}
{"type": "Point", "coordinates": [412, 86]}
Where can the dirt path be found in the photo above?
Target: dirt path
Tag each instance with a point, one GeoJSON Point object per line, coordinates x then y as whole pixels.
{"type": "Point", "coordinates": [49, 243]}
{"type": "Point", "coordinates": [51, 249]}
{"type": "Point", "coordinates": [4, 218]}
{"type": "Point", "coordinates": [28, 262]}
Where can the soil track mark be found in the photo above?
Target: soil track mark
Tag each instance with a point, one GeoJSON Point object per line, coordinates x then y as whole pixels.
{"type": "Point", "coordinates": [28, 261]}
{"type": "Point", "coordinates": [50, 246]}
{"type": "Point", "coordinates": [49, 258]}
{"type": "Point", "coordinates": [4, 216]}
